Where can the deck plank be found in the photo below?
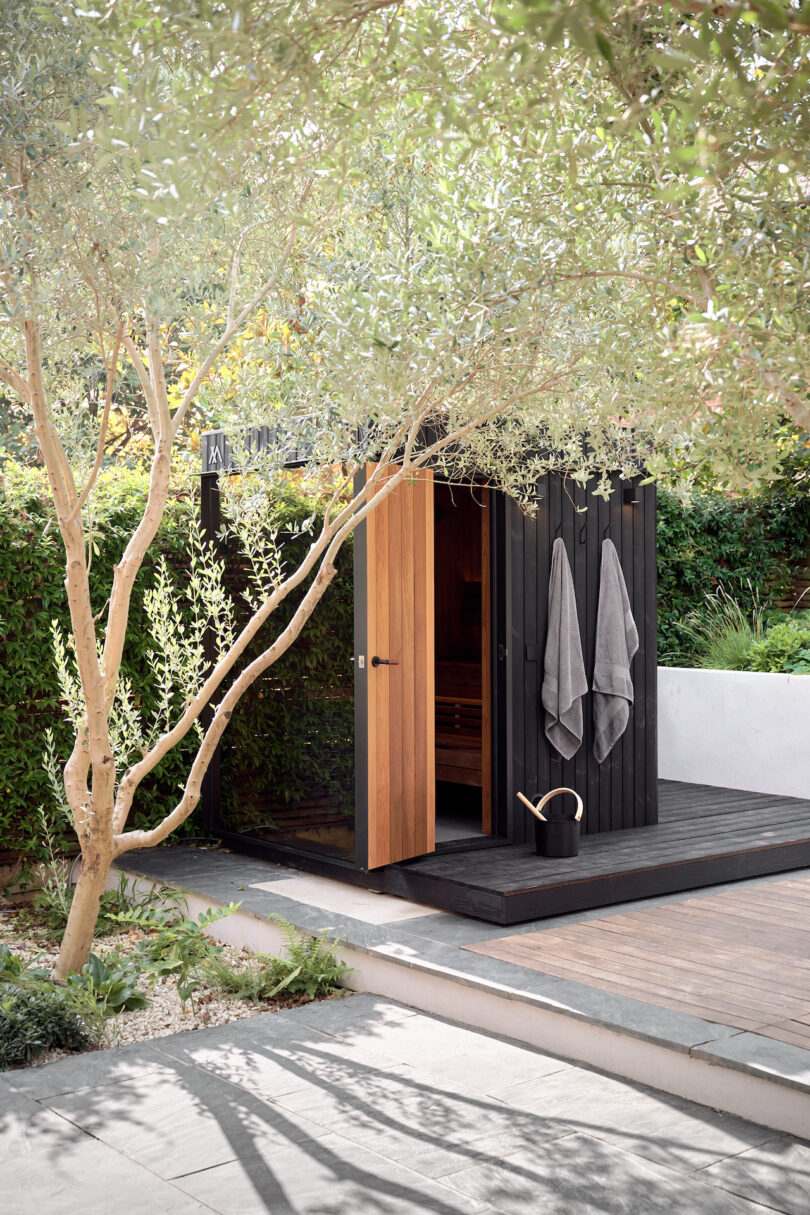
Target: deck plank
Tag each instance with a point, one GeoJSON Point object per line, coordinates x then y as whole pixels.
{"type": "Point", "coordinates": [699, 955]}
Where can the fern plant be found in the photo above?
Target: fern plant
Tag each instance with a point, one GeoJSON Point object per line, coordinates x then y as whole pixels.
{"type": "Point", "coordinates": [176, 946]}
{"type": "Point", "coordinates": [311, 967]}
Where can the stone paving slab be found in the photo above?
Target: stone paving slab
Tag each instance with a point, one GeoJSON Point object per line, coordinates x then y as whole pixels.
{"type": "Point", "coordinates": [199, 1116]}
{"type": "Point", "coordinates": [364, 1106]}
{"type": "Point", "coordinates": [776, 1173]}
{"type": "Point", "coordinates": [580, 1175]}
{"type": "Point", "coordinates": [332, 1177]}
{"type": "Point", "coordinates": [78, 1072]}
{"type": "Point", "coordinates": [48, 1165]}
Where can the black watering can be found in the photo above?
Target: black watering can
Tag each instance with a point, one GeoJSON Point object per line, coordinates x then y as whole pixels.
{"type": "Point", "coordinates": [555, 835]}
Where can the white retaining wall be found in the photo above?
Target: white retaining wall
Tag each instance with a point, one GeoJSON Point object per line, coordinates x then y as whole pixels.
{"type": "Point", "coordinates": [736, 729]}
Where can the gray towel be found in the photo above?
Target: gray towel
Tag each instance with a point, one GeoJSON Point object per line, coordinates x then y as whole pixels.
{"type": "Point", "coordinates": [616, 643]}
{"type": "Point", "coordinates": [564, 681]}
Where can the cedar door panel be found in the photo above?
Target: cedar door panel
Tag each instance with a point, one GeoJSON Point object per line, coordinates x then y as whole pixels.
{"type": "Point", "coordinates": [401, 708]}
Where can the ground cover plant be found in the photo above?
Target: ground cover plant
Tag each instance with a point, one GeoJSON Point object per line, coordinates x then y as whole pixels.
{"type": "Point", "coordinates": [163, 974]}
{"type": "Point", "coordinates": [785, 646]}
{"type": "Point", "coordinates": [726, 637]}
{"type": "Point", "coordinates": [310, 967]}
{"type": "Point", "coordinates": [494, 238]}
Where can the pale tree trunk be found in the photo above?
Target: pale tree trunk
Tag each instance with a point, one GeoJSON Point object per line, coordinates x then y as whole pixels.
{"type": "Point", "coordinates": [78, 939]}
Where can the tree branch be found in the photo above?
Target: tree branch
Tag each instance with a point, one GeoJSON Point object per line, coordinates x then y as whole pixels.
{"type": "Point", "coordinates": [15, 381]}
{"type": "Point", "coordinates": [233, 328]}
{"type": "Point", "coordinates": [105, 418]}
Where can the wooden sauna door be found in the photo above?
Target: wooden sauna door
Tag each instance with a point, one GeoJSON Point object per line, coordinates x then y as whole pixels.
{"type": "Point", "coordinates": [401, 708]}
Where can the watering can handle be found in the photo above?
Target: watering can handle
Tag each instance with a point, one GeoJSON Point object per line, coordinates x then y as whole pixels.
{"type": "Point", "coordinates": [536, 810]}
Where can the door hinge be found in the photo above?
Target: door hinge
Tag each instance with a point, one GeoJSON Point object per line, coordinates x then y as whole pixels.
{"type": "Point", "coordinates": [502, 652]}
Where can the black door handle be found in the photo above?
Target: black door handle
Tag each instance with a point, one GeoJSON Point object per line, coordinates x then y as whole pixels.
{"type": "Point", "coordinates": [384, 662]}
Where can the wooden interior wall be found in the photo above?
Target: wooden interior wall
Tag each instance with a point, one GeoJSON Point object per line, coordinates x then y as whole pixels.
{"type": "Point", "coordinates": [623, 790]}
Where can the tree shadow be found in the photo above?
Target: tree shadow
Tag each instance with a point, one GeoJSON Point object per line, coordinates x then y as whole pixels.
{"type": "Point", "coordinates": [272, 1115]}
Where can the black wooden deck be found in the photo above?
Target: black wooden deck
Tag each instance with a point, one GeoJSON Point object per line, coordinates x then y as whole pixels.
{"type": "Point", "coordinates": [704, 836]}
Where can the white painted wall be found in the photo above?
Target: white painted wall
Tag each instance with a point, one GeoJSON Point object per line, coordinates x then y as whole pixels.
{"type": "Point", "coordinates": [736, 729]}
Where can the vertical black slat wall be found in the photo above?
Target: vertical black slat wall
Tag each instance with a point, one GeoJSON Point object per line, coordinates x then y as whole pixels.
{"type": "Point", "coordinates": [622, 791]}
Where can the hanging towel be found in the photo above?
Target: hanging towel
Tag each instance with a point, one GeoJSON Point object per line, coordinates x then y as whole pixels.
{"type": "Point", "coordinates": [616, 643]}
{"type": "Point", "coordinates": [564, 680]}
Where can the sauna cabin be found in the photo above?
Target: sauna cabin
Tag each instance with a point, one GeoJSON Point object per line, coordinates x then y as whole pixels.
{"type": "Point", "coordinates": [419, 717]}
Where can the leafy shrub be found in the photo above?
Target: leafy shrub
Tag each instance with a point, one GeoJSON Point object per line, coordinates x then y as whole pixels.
{"type": "Point", "coordinates": [32, 594]}
{"type": "Point", "coordinates": [36, 1018]}
{"type": "Point", "coordinates": [310, 967]}
{"type": "Point", "coordinates": [110, 984]}
{"type": "Point", "coordinates": [784, 647]}
{"type": "Point", "coordinates": [176, 946]}
{"type": "Point", "coordinates": [304, 702]}
{"type": "Point", "coordinates": [750, 546]}
{"type": "Point", "coordinates": [13, 967]}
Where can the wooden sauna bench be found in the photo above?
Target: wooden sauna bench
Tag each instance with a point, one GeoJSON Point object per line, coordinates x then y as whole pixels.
{"type": "Point", "coordinates": [459, 752]}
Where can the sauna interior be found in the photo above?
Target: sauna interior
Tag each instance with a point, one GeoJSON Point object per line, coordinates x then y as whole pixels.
{"type": "Point", "coordinates": [462, 656]}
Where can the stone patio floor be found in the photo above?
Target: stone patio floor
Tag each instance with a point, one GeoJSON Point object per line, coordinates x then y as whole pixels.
{"type": "Point", "coordinates": [361, 1106]}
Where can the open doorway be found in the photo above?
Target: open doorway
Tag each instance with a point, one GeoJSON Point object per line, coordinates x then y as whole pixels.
{"type": "Point", "coordinates": [462, 655]}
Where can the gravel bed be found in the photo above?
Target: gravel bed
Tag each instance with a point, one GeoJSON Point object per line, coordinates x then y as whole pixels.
{"type": "Point", "coordinates": [164, 1014]}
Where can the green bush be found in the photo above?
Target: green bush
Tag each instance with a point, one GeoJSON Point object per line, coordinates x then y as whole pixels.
{"type": "Point", "coordinates": [749, 547]}
{"type": "Point", "coordinates": [176, 946]}
{"type": "Point", "coordinates": [784, 647]}
{"type": "Point", "coordinates": [110, 984]}
{"type": "Point", "coordinates": [31, 596]}
{"type": "Point", "coordinates": [723, 633]}
{"type": "Point", "coordinates": [36, 1018]}
{"type": "Point", "coordinates": [269, 744]}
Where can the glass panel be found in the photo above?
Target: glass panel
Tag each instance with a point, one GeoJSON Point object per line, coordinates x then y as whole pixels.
{"type": "Point", "coordinates": [288, 752]}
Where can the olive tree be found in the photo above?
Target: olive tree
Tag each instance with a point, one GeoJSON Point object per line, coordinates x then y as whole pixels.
{"type": "Point", "coordinates": [483, 275]}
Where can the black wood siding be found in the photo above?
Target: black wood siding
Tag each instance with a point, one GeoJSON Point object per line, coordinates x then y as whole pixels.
{"type": "Point", "coordinates": [622, 791]}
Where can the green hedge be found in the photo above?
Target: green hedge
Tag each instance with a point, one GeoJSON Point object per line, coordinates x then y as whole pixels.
{"type": "Point", "coordinates": [32, 570]}
{"type": "Point", "coordinates": [751, 546]}
{"type": "Point", "coordinates": [32, 595]}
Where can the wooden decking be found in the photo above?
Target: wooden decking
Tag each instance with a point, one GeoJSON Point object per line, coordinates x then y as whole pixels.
{"type": "Point", "coordinates": [705, 836]}
{"type": "Point", "coordinates": [740, 957]}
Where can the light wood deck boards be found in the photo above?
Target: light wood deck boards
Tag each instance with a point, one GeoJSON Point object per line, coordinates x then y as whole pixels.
{"type": "Point", "coordinates": [740, 957]}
